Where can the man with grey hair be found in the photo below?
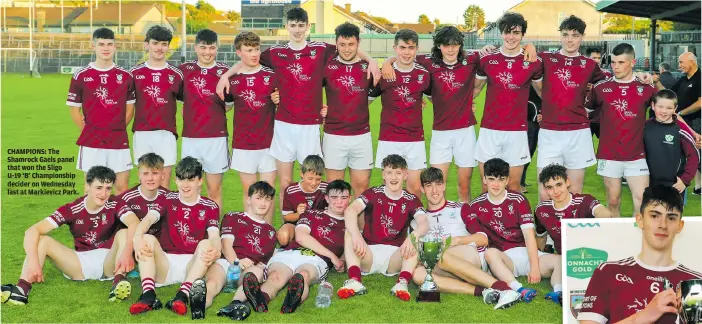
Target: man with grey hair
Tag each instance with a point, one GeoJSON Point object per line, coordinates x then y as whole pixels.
{"type": "Point", "coordinates": [667, 78]}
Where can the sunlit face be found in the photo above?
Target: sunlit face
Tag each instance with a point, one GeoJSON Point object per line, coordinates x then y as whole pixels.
{"type": "Point", "coordinates": [570, 41]}
{"type": "Point", "coordinates": [664, 109]}
{"type": "Point", "coordinates": [104, 48]}
{"type": "Point", "coordinates": [310, 181]}
{"type": "Point", "coordinates": [250, 55]}
{"type": "Point", "coordinates": [450, 52]}
{"type": "Point", "coordinates": [496, 185]}
{"type": "Point", "coordinates": [512, 39]}
{"type": "Point", "coordinates": [338, 201]}
{"type": "Point", "coordinates": [659, 226]}
{"type": "Point", "coordinates": [99, 192]}
{"type": "Point", "coordinates": [297, 30]}
{"type": "Point", "coordinates": [259, 203]}
{"type": "Point", "coordinates": [189, 188]}
{"type": "Point", "coordinates": [150, 178]}
{"type": "Point", "coordinates": [394, 178]}
{"type": "Point", "coordinates": [206, 54]}
{"type": "Point", "coordinates": [622, 65]}
{"type": "Point", "coordinates": [157, 50]}
{"type": "Point", "coordinates": [597, 57]}
{"type": "Point", "coordinates": [434, 191]}
{"type": "Point", "coordinates": [557, 189]}
{"type": "Point", "coordinates": [406, 51]}
{"type": "Point", "coordinates": [347, 48]}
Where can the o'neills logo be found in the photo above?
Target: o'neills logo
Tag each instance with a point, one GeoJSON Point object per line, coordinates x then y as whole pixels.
{"type": "Point", "coordinates": [582, 262]}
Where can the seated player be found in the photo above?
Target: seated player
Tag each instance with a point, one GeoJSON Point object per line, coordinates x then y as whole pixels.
{"type": "Point", "coordinates": [305, 195]}
{"type": "Point", "coordinates": [148, 196]}
{"type": "Point", "coordinates": [641, 289]}
{"type": "Point", "coordinates": [188, 244]}
{"type": "Point", "coordinates": [506, 218]}
{"type": "Point", "coordinates": [100, 253]}
{"type": "Point", "coordinates": [383, 247]}
{"type": "Point", "coordinates": [247, 239]}
{"type": "Point", "coordinates": [460, 270]}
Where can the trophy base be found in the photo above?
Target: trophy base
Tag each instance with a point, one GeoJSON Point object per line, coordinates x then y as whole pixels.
{"type": "Point", "coordinates": [428, 296]}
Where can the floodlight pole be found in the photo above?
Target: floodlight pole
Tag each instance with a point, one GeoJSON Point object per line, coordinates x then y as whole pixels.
{"type": "Point", "coordinates": [653, 45]}
{"type": "Point", "coordinates": [31, 27]}
{"type": "Point", "coordinates": [91, 16]}
{"type": "Point", "coordinates": [62, 17]}
{"type": "Point", "coordinates": [119, 20]}
{"type": "Point", "coordinates": [182, 23]}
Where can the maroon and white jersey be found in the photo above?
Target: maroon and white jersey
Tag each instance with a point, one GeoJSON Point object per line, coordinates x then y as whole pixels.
{"type": "Point", "coordinates": [452, 91]}
{"type": "Point", "coordinates": [508, 82]}
{"type": "Point", "coordinates": [595, 118]}
{"type": "Point", "coordinates": [140, 205]}
{"type": "Point", "coordinates": [157, 92]}
{"type": "Point", "coordinates": [253, 239]}
{"type": "Point", "coordinates": [401, 117]}
{"type": "Point", "coordinates": [623, 288]}
{"type": "Point", "coordinates": [184, 225]}
{"type": "Point", "coordinates": [622, 108]}
{"type": "Point", "coordinates": [103, 96]}
{"type": "Point", "coordinates": [449, 220]}
{"type": "Point", "coordinates": [325, 228]}
{"type": "Point", "coordinates": [387, 220]}
{"type": "Point", "coordinates": [91, 229]}
{"type": "Point", "coordinates": [347, 87]}
{"type": "Point", "coordinates": [503, 221]}
{"type": "Point", "coordinates": [294, 195]}
{"type": "Point", "coordinates": [566, 79]}
{"type": "Point", "coordinates": [548, 218]}
{"type": "Point", "coordinates": [300, 73]}
{"type": "Point", "coordinates": [203, 111]}
{"type": "Point", "coordinates": [254, 111]}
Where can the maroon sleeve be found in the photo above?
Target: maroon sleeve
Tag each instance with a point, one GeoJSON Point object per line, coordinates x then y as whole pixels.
{"type": "Point", "coordinates": [540, 228]}
{"type": "Point", "coordinates": [374, 91]}
{"type": "Point", "coordinates": [228, 224]}
{"type": "Point", "coordinates": [62, 215]}
{"type": "Point", "coordinates": [589, 203]}
{"type": "Point", "coordinates": [305, 220]}
{"type": "Point", "coordinates": [131, 92]}
{"type": "Point", "coordinates": [212, 217]}
{"type": "Point", "coordinates": [367, 196]}
{"type": "Point", "coordinates": [181, 85]}
{"type": "Point", "coordinates": [423, 60]}
{"type": "Point", "coordinates": [539, 70]}
{"type": "Point", "coordinates": [266, 58]}
{"type": "Point", "coordinates": [288, 205]}
{"type": "Point", "coordinates": [122, 208]}
{"type": "Point", "coordinates": [591, 101]}
{"type": "Point", "coordinates": [329, 51]}
{"type": "Point", "coordinates": [596, 303]}
{"type": "Point", "coordinates": [597, 75]}
{"type": "Point", "coordinates": [479, 71]}
{"type": "Point", "coordinates": [471, 220]}
{"type": "Point", "coordinates": [526, 219]}
{"type": "Point", "coordinates": [416, 207]}
{"type": "Point", "coordinates": [692, 155]}
{"type": "Point", "coordinates": [229, 96]}
{"type": "Point", "coordinates": [75, 92]}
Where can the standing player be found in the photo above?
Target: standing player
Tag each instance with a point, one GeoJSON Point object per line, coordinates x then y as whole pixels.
{"type": "Point", "coordinates": [621, 103]}
{"type": "Point", "coordinates": [308, 194]}
{"type": "Point", "coordinates": [633, 290]}
{"type": "Point", "coordinates": [383, 246]}
{"type": "Point", "coordinates": [158, 85]}
{"type": "Point", "coordinates": [101, 99]}
{"type": "Point", "coordinates": [506, 218]}
{"type": "Point", "coordinates": [204, 119]}
{"type": "Point", "coordinates": [99, 254]}
{"type": "Point", "coordinates": [595, 54]}
{"type": "Point", "coordinates": [503, 131]}
{"type": "Point", "coordinates": [401, 130]}
{"type": "Point", "coordinates": [255, 99]}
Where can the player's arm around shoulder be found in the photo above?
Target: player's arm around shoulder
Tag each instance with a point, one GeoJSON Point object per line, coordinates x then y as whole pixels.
{"type": "Point", "coordinates": [227, 240]}
{"type": "Point", "coordinates": [351, 216]}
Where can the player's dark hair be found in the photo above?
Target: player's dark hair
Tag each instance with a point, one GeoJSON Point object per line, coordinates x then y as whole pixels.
{"type": "Point", "coordinates": [313, 163]}
{"type": "Point", "coordinates": [447, 35]}
{"type": "Point", "coordinates": [496, 168]}
{"type": "Point", "coordinates": [666, 196]}
{"type": "Point", "coordinates": [511, 20]}
{"type": "Point", "coordinates": [100, 173]}
{"type": "Point", "coordinates": [394, 161]}
{"type": "Point", "coordinates": [338, 186]}
{"type": "Point", "coordinates": [573, 23]}
{"type": "Point", "coordinates": [297, 14]}
{"type": "Point", "coordinates": [553, 172]}
{"type": "Point", "coordinates": [151, 161]}
{"type": "Point", "coordinates": [103, 33]}
{"type": "Point", "coordinates": [188, 168]}
{"type": "Point", "coordinates": [249, 39]}
{"type": "Point", "coordinates": [591, 50]}
{"type": "Point", "coordinates": [206, 36]}
{"type": "Point", "coordinates": [665, 94]}
{"type": "Point", "coordinates": [407, 35]}
{"type": "Point", "coordinates": [262, 188]}
{"type": "Point", "coordinates": [623, 48]}
{"type": "Point", "coordinates": [347, 30]}
{"type": "Point", "coordinates": [431, 175]}
{"type": "Point", "coordinates": [159, 34]}
{"type": "Point", "coordinates": [665, 66]}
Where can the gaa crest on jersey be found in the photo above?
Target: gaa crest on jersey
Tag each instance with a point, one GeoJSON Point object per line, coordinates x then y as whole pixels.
{"type": "Point", "coordinates": [404, 206]}
{"type": "Point", "coordinates": [271, 234]}
{"type": "Point", "coordinates": [583, 62]}
{"type": "Point", "coordinates": [171, 78]}
{"type": "Point", "coordinates": [364, 66]}
{"type": "Point", "coordinates": [525, 65]}
{"type": "Point", "coordinates": [119, 78]}
{"type": "Point", "coordinates": [465, 62]}
{"type": "Point", "coordinates": [103, 217]}
{"type": "Point", "coordinates": [309, 203]}
{"type": "Point", "coordinates": [219, 72]}
{"type": "Point", "coordinates": [511, 208]}
{"type": "Point", "coordinates": [202, 215]}
{"type": "Point", "coordinates": [266, 80]}
{"type": "Point", "coordinates": [313, 53]}
{"type": "Point", "coordinates": [420, 78]}
{"type": "Point", "coordinates": [639, 90]}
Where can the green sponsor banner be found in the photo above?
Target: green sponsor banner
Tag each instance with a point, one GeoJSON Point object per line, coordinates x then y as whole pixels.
{"type": "Point", "coordinates": [581, 262]}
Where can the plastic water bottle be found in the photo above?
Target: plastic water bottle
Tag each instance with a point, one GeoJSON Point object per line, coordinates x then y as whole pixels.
{"type": "Point", "coordinates": [324, 295]}
{"type": "Point", "coordinates": [233, 274]}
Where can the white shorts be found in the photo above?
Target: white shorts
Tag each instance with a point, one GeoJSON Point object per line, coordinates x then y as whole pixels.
{"type": "Point", "coordinates": [510, 146]}
{"type": "Point", "coordinates": [483, 263]}
{"type": "Point", "coordinates": [161, 142]}
{"type": "Point", "coordinates": [520, 260]}
{"type": "Point", "coordinates": [571, 149]}
{"type": "Point", "coordinates": [414, 153]}
{"type": "Point", "coordinates": [119, 160]}
{"type": "Point", "coordinates": [252, 161]}
{"type": "Point", "coordinates": [355, 151]}
{"type": "Point", "coordinates": [294, 259]}
{"type": "Point", "coordinates": [456, 144]}
{"type": "Point", "coordinates": [295, 142]}
{"type": "Point", "coordinates": [91, 262]}
{"type": "Point", "coordinates": [178, 267]}
{"type": "Point", "coordinates": [381, 259]}
{"type": "Point", "coordinates": [212, 152]}
{"type": "Point", "coordinates": [618, 169]}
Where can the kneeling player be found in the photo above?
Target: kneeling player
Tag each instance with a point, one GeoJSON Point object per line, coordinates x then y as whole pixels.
{"type": "Point", "coordinates": [383, 247]}
{"type": "Point", "coordinates": [99, 254]}
{"type": "Point", "coordinates": [182, 251]}
{"type": "Point", "coordinates": [641, 289]}
{"type": "Point", "coordinates": [460, 270]}
{"type": "Point", "coordinates": [506, 218]}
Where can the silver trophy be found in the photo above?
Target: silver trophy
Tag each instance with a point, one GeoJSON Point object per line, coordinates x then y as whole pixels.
{"type": "Point", "coordinates": [429, 249]}
{"type": "Point", "coordinates": [690, 295]}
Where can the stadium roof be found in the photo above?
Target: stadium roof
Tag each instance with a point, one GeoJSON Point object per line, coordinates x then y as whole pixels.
{"type": "Point", "coordinates": [678, 11]}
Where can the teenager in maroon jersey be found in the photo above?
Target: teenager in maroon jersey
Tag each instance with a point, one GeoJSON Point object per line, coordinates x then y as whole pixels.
{"type": "Point", "coordinates": [254, 94]}
{"type": "Point", "coordinates": [99, 250]}
{"type": "Point", "coordinates": [204, 113]}
{"type": "Point", "coordinates": [189, 242]}
{"type": "Point", "coordinates": [383, 246]}
{"type": "Point", "coordinates": [248, 240]}
{"type": "Point", "coordinates": [622, 103]}
{"type": "Point", "coordinates": [148, 195]}
{"type": "Point", "coordinates": [595, 54]}
{"type": "Point", "coordinates": [101, 100]}
{"type": "Point", "coordinates": [158, 87]}
{"type": "Point", "coordinates": [633, 290]}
